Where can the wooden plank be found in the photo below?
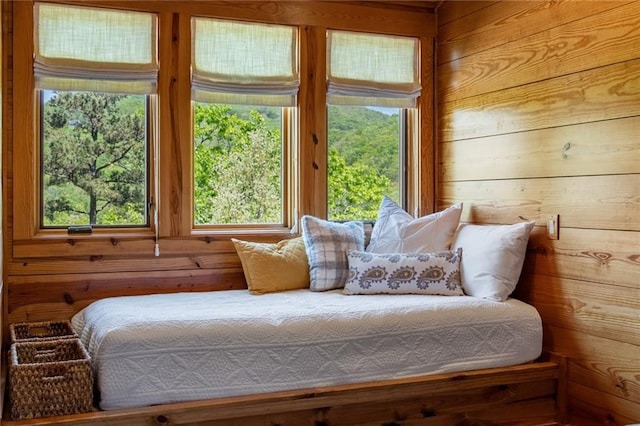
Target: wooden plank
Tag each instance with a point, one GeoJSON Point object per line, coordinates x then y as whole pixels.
{"type": "Point", "coordinates": [600, 94]}
{"type": "Point", "coordinates": [106, 264]}
{"type": "Point", "coordinates": [454, 10]}
{"type": "Point", "coordinates": [609, 366]}
{"type": "Point", "coordinates": [142, 245]}
{"type": "Point", "coordinates": [598, 148]}
{"type": "Point", "coordinates": [590, 255]}
{"type": "Point", "coordinates": [606, 408]}
{"type": "Point", "coordinates": [23, 200]}
{"type": "Point", "coordinates": [477, 404]}
{"type": "Point", "coordinates": [427, 388]}
{"type": "Point", "coordinates": [503, 22]}
{"type": "Point", "coordinates": [606, 38]}
{"type": "Point", "coordinates": [347, 15]}
{"type": "Point", "coordinates": [337, 15]}
{"type": "Point", "coordinates": [427, 140]}
{"type": "Point", "coordinates": [598, 309]}
{"type": "Point", "coordinates": [598, 202]}
{"type": "Point", "coordinates": [175, 126]}
{"type": "Point", "coordinates": [58, 297]}
{"type": "Point", "coordinates": [312, 170]}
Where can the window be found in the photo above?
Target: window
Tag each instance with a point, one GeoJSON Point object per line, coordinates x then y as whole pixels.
{"type": "Point", "coordinates": [211, 122]}
{"type": "Point", "coordinates": [373, 83]}
{"type": "Point", "coordinates": [365, 160]}
{"type": "Point", "coordinates": [94, 71]}
{"type": "Point", "coordinates": [245, 78]}
{"type": "Point", "coordinates": [93, 164]}
{"type": "Point", "coordinates": [237, 164]}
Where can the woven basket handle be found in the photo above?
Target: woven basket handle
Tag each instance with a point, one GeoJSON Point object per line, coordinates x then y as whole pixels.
{"type": "Point", "coordinates": [53, 379]}
{"type": "Point", "coordinates": [41, 353]}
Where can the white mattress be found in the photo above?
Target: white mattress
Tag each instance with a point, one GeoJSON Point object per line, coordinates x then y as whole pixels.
{"type": "Point", "coordinates": [178, 347]}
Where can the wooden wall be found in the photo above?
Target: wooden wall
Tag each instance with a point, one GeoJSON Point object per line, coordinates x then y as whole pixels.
{"type": "Point", "coordinates": [538, 114]}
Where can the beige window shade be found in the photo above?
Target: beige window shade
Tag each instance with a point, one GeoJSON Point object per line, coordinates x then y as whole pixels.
{"type": "Point", "coordinates": [372, 69]}
{"type": "Point", "coordinates": [244, 63]}
{"type": "Point", "coordinates": [93, 49]}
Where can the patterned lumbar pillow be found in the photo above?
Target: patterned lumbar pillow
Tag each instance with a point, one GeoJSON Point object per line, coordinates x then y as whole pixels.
{"type": "Point", "coordinates": [404, 273]}
{"type": "Point", "coordinates": [272, 267]}
{"type": "Point", "coordinates": [327, 244]}
{"type": "Point", "coordinates": [396, 231]}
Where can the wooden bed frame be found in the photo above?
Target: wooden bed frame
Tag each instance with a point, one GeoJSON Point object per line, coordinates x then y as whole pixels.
{"type": "Point", "coordinates": [528, 394]}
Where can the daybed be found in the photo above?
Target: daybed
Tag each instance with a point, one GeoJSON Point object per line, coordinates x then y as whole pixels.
{"type": "Point", "coordinates": [418, 329]}
{"type": "Point", "coordinates": [166, 348]}
{"type": "Point", "coordinates": [404, 367]}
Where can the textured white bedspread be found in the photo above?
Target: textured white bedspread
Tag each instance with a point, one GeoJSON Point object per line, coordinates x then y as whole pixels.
{"type": "Point", "coordinates": [178, 347]}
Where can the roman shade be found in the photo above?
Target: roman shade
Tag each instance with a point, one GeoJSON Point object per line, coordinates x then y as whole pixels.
{"type": "Point", "coordinates": [95, 49]}
{"type": "Point", "coordinates": [244, 63]}
{"type": "Point", "coordinates": [372, 69]}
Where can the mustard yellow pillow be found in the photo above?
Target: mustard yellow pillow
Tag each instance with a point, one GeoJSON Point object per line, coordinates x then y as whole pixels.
{"type": "Point", "coordinates": [271, 267]}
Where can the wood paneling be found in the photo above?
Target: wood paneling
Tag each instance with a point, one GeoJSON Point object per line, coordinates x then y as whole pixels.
{"type": "Point", "coordinates": [558, 151]}
{"type": "Point", "coordinates": [581, 201]}
{"type": "Point", "coordinates": [604, 368]}
{"type": "Point", "coordinates": [539, 113]}
{"type": "Point", "coordinates": [347, 15]}
{"type": "Point", "coordinates": [602, 310]}
{"type": "Point", "coordinates": [456, 9]}
{"type": "Point", "coordinates": [591, 255]}
{"type": "Point", "coordinates": [608, 37]}
{"type": "Point", "coordinates": [464, 31]}
{"type": "Point", "coordinates": [606, 93]}
{"type": "Point", "coordinates": [58, 297]}
{"type": "Point", "coordinates": [587, 402]}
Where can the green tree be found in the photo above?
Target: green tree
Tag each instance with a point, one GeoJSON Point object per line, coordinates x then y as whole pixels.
{"type": "Point", "coordinates": [238, 164]}
{"type": "Point", "coordinates": [355, 191]}
{"type": "Point", "coordinates": [94, 154]}
{"type": "Point", "coordinates": [237, 167]}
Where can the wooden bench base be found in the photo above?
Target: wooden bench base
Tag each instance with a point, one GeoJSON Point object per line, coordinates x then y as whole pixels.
{"type": "Point", "coordinates": [521, 395]}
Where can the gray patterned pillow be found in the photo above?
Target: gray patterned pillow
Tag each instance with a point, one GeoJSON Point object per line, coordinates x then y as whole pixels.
{"type": "Point", "coordinates": [404, 273]}
{"type": "Point", "coordinates": [327, 244]}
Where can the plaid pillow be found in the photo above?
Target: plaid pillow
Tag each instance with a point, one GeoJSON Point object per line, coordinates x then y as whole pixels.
{"type": "Point", "coordinates": [327, 244]}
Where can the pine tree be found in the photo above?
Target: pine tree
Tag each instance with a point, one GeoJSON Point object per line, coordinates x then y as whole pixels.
{"type": "Point", "coordinates": [94, 161]}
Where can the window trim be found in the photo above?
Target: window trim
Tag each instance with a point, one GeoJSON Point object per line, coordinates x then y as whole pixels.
{"type": "Point", "coordinates": [288, 185]}
{"type": "Point", "coordinates": [149, 178]}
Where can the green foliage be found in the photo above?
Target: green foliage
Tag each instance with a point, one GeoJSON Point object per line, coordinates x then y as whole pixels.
{"type": "Point", "coordinates": [94, 153]}
{"type": "Point", "coordinates": [237, 167]}
{"type": "Point", "coordinates": [94, 167]}
{"type": "Point", "coordinates": [355, 191]}
{"type": "Point", "coordinates": [365, 136]}
{"type": "Point", "coordinates": [363, 161]}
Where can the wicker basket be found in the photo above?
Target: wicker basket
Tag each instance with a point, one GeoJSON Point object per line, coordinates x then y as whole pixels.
{"type": "Point", "coordinates": [49, 378]}
{"type": "Point", "coordinates": [41, 331]}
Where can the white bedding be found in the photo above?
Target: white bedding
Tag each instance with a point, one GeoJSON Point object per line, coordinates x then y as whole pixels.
{"type": "Point", "coordinates": [178, 347]}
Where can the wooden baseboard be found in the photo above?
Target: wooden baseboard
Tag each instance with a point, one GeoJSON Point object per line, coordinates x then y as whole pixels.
{"type": "Point", "coordinates": [519, 395]}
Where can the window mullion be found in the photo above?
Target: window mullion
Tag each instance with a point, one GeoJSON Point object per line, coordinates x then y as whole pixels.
{"type": "Point", "coordinates": [174, 92]}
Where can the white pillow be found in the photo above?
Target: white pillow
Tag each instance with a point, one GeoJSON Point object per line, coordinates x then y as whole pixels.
{"type": "Point", "coordinates": [493, 258]}
{"type": "Point", "coordinates": [396, 231]}
{"type": "Point", "coordinates": [327, 244]}
{"type": "Point", "coordinates": [404, 273]}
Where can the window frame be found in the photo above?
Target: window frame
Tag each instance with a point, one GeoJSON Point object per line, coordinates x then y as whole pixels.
{"type": "Point", "coordinates": [149, 172]}
{"type": "Point", "coordinates": [407, 141]}
{"type": "Point", "coordinates": [288, 184]}
{"type": "Point", "coordinates": [171, 167]}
